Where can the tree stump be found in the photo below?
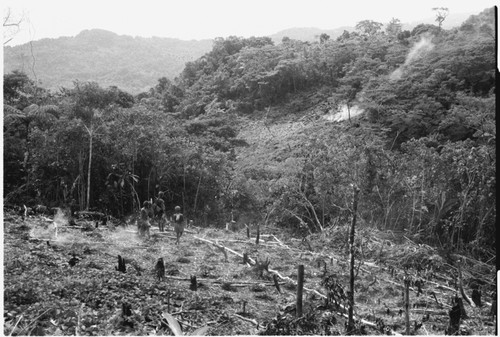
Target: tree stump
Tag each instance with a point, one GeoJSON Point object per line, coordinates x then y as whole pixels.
{"type": "Point", "coordinates": [194, 285]}
{"type": "Point", "coordinates": [406, 296]}
{"type": "Point", "coordinates": [257, 238]}
{"type": "Point", "coordinates": [160, 269]}
{"type": "Point", "coordinates": [126, 313]}
{"type": "Point", "coordinates": [276, 284]}
{"type": "Point", "coordinates": [245, 258]}
{"type": "Point", "coordinates": [455, 315]}
{"type": "Point", "coordinates": [126, 309]}
{"type": "Point", "coordinates": [460, 302]}
{"type": "Point", "coordinates": [476, 297]}
{"type": "Point", "coordinates": [300, 289]}
{"type": "Point", "coordinates": [121, 264]}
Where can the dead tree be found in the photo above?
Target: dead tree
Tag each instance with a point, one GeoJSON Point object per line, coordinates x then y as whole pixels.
{"type": "Point", "coordinates": [350, 324]}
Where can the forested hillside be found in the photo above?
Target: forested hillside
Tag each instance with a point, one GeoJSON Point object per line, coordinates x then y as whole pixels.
{"type": "Point", "coordinates": [280, 135]}
{"type": "Point", "coordinates": [422, 151]}
{"type": "Point", "coordinates": [132, 63]}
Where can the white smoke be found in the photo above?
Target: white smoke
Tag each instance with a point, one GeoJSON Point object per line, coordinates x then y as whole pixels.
{"type": "Point", "coordinates": [423, 46]}
{"type": "Point", "coordinates": [49, 231]}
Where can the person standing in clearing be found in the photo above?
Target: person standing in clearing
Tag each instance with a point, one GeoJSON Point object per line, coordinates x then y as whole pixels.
{"type": "Point", "coordinates": [160, 211]}
{"type": "Point", "coordinates": [143, 225]}
{"type": "Point", "coordinates": [178, 223]}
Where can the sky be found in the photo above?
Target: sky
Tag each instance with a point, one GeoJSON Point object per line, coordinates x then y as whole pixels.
{"type": "Point", "coordinates": [207, 19]}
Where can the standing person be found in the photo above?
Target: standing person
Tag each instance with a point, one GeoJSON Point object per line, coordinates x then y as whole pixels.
{"type": "Point", "coordinates": [178, 223]}
{"type": "Point", "coordinates": [143, 224]}
{"type": "Point", "coordinates": [160, 211]}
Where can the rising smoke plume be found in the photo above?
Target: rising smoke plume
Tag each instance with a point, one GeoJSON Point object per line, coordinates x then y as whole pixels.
{"type": "Point", "coordinates": [423, 46]}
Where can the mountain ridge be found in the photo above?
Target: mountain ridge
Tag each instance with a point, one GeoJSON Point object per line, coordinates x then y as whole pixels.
{"type": "Point", "coordinates": [133, 63]}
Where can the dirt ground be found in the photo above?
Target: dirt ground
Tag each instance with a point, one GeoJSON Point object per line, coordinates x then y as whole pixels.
{"type": "Point", "coordinates": [67, 283]}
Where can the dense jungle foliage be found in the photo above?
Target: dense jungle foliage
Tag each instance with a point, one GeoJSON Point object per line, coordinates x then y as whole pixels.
{"type": "Point", "coordinates": [423, 151]}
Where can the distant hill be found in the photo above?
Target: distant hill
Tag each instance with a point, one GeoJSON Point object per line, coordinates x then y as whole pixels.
{"type": "Point", "coordinates": [134, 64]}
{"type": "Point", "coordinates": [309, 34]}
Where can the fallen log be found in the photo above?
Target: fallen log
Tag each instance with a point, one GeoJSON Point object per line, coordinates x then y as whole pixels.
{"type": "Point", "coordinates": [234, 284]}
{"type": "Point", "coordinates": [460, 285]}
{"type": "Point", "coordinates": [373, 325]}
{"type": "Point", "coordinates": [252, 261]}
{"type": "Point", "coordinates": [247, 319]}
{"type": "Point", "coordinates": [427, 311]}
{"type": "Point", "coordinates": [170, 229]}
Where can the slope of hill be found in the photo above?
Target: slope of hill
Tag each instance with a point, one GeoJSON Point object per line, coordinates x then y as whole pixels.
{"type": "Point", "coordinates": [134, 64]}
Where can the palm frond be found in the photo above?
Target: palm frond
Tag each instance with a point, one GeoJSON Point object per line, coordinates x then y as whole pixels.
{"type": "Point", "coordinates": [10, 113]}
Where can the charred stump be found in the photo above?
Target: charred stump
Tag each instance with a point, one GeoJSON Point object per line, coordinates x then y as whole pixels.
{"type": "Point", "coordinates": [121, 265]}
{"type": "Point", "coordinates": [194, 285]}
{"type": "Point", "coordinates": [406, 296]}
{"type": "Point", "coordinates": [245, 258]}
{"type": "Point", "coordinates": [276, 284]}
{"type": "Point", "coordinates": [160, 269]}
{"type": "Point", "coordinates": [300, 289]}
{"type": "Point", "coordinates": [455, 316]}
{"type": "Point", "coordinates": [460, 302]}
{"type": "Point", "coordinates": [476, 297]}
{"type": "Point", "coordinates": [126, 313]}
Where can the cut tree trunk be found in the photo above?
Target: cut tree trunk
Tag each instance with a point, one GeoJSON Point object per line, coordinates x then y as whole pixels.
{"type": "Point", "coordinates": [407, 304]}
{"type": "Point", "coordinates": [300, 289]}
{"type": "Point", "coordinates": [350, 324]}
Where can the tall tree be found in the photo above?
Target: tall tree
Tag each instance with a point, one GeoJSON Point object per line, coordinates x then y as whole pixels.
{"type": "Point", "coordinates": [33, 114]}
{"type": "Point", "coordinates": [441, 14]}
{"type": "Point", "coordinates": [369, 27]}
{"type": "Point", "coordinates": [323, 38]}
{"type": "Point", "coordinates": [393, 27]}
{"type": "Point", "coordinates": [89, 103]}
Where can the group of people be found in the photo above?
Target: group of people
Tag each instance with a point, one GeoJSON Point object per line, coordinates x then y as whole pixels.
{"type": "Point", "coordinates": [156, 212]}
